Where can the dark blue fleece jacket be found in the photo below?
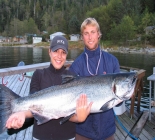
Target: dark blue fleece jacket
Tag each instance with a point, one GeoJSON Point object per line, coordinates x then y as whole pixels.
{"type": "Point", "coordinates": [98, 126]}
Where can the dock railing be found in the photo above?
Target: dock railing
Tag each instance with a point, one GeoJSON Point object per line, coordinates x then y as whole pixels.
{"type": "Point", "coordinates": [138, 88]}
{"type": "Point", "coordinates": [27, 68]}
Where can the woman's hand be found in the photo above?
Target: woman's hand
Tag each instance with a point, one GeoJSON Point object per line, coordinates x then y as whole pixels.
{"type": "Point", "coordinates": [82, 109]}
{"type": "Point", "coordinates": [17, 120]}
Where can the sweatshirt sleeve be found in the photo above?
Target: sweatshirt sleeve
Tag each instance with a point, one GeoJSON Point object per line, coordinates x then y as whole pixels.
{"type": "Point", "coordinates": [35, 82]}
{"type": "Point", "coordinates": [74, 68]}
{"type": "Point", "coordinates": [116, 66]}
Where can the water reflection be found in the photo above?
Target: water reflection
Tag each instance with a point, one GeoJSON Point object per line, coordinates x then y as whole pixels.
{"type": "Point", "coordinates": [37, 55]}
{"type": "Point", "coordinates": [11, 56]}
{"type": "Point", "coordinates": [73, 53]}
{"type": "Point", "coordinates": [141, 61]}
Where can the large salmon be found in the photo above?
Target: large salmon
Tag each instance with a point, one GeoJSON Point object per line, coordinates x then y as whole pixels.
{"type": "Point", "coordinates": [105, 91]}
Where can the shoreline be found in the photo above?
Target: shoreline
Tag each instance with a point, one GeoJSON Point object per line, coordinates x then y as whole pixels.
{"type": "Point", "coordinates": [147, 50]}
{"type": "Point", "coordinates": [134, 51]}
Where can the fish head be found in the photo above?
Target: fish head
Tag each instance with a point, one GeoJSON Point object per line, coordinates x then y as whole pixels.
{"type": "Point", "coordinates": [123, 85]}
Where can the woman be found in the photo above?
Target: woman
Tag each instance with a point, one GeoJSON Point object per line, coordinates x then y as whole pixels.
{"type": "Point", "coordinates": [44, 78]}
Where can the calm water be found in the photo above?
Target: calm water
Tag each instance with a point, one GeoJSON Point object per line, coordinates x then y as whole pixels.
{"type": "Point", "coordinates": [11, 56]}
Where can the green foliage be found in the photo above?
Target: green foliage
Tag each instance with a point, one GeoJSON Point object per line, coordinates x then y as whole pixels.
{"type": "Point", "coordinates": [115, 10]}
{"type": "Point", "coordinates": [30, 26]}
{"type": "Point", "coordinates": [147, 19]}
{"type": "Point", "coordinates": [123, 31]}
{"type": "Point", "coordinates": [149, 4]}
{"type": "Point", "coordinates": [148, 38]}
{"type": "Point", "coordinates": [34, 16]}
{"type": "Point", "coordinates": [74, 25]}
{"type": "Point", "coordinates": [29, 39]}
{"type": "Point", "coordinates": [18, 27]}
{"type": "Point", "coordinates": [151, 39]}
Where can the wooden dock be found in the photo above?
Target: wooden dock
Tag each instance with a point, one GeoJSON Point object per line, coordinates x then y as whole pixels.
{"type": "Point", "coordinates": [139, 125]}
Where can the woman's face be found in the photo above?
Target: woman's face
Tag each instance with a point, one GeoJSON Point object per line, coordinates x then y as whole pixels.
{"type": "Point", "coordinates": [58, 58]}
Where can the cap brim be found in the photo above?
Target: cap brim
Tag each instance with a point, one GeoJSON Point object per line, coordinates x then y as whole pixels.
{"type": "Point", "coordinates": [59, 47]}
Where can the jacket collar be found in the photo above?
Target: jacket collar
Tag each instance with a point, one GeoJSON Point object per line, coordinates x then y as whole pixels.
{"type": "Point", "coordinates": [56, 71]}
{"type": "Point", "coordinates": [92, 53]}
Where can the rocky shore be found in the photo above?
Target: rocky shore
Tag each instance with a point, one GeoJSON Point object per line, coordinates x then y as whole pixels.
{"type": "Point", "coordinates": [146, 50]}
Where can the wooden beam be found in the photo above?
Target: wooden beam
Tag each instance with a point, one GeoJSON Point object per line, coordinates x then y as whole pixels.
{"type": "Point", "coordinates": [140, 124]}
{"type": "Point", "coordinates": [26, 68]}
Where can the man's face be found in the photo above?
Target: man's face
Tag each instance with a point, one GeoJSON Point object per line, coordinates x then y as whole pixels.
{"type": "Point", "coordinates": [90, 37]}
{"type": "Point", "coordinates": [58, 58]}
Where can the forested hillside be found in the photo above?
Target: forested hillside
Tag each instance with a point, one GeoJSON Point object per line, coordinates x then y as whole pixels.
{"type": "Point", "coordinates": [119, 19]}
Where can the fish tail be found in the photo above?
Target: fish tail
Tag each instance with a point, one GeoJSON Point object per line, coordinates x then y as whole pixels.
{"type": "Point", "coordinates": [6, 97]}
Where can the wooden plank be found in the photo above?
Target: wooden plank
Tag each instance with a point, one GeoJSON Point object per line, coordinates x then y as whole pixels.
{"type": "Point", "coordinates": [128, 121]}
{"type": "Point", "coordinates": [12, 82]}
{"type": "Point", "coordinates": [120, 129]}
{"type": "Point", "coordinates": [18, 86]}
{"type": "Point", "coordinates": [150, 130]}
{"type": "Point", "coordinates": [20, 135]}
{"type": "Point", "coordinates": [129, 138]}
{"type": "Point", "coordinates": [24, 88]}
{"type": "Point", "coordinates": [116, 137]}
{"type": "Point", "coordinates": [146, 134]}
{"type": "Point", "coordinates": [143, 137]}
{"type": "Point", "coordinates": [28, 87]}
{"type": "Point", "coordinates": [7, 80]}
{"type": "Point", "coordinates": [28, 134]}
{"type": "Point", "coordinates": [119, 134]}
{"type": "Point", "coordinates": [135, 115]}
{"type": "Point", "coordinates": [140, 124]}
{"type": "Point", "coordinates": [4, 79]}
{"type": "Point", "coordinates": [33, 67]}
{"type": "Point", "coordinates": [125, 125]}
{"type": "Point", "coordinates": [12, 137]}
{"type": "Point", "coordinates": [27, 68]}
{"type": "Point", "coordinates": [22, 69]}
{"type": "Point", "coordinates": [133, 119]}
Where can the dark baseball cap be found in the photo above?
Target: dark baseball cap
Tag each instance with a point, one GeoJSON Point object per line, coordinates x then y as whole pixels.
{"type": "Point", "coordinates": [59, 42]}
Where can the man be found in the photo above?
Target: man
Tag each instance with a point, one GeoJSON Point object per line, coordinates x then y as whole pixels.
{"type": "Point", "coordinates": [44, 78]}
{"type": "Point", "coordinates": [94, 61]}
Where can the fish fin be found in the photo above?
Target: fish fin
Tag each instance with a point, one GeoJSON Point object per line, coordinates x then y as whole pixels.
{"type": "Point", "coordinates": [65, 119]}
{"type": "Point", "coordinates": [6, 97]}
{"type": "Point", "coordinates": [40, 118]}
{"type": "Point", "coordinates": [67, 78]}
{"type": "Point", "coordinates": [107, 105]}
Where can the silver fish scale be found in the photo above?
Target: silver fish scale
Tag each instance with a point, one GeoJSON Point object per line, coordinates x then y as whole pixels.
{"type": "Point", "coordinates": [60, 101]}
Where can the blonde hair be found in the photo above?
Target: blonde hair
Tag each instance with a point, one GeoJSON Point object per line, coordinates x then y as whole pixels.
{"type": "Point", "coordinates": [92, 22]}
